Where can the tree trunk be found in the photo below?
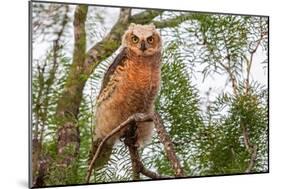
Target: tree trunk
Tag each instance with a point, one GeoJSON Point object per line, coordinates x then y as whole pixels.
{"type": "Point", "coordinates": [68, 140]}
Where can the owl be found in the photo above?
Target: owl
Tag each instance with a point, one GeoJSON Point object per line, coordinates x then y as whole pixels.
{"type": "Point", "coordinates": [130, 84]}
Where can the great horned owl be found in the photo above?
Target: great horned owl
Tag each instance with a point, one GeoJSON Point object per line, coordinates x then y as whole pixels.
{"type": "Point", "coordinates": [130, 84]}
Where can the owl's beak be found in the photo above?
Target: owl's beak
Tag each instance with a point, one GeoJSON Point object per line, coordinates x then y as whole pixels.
{"type": "Point", "coordinates": [143, 47]}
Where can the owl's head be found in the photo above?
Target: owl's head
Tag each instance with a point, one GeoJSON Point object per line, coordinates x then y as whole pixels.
{"type": "Point", "coordinates": [143, 40]}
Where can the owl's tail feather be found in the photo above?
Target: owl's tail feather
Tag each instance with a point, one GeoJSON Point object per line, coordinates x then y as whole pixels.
{"type": "Point", "coordinates": [103, 156]}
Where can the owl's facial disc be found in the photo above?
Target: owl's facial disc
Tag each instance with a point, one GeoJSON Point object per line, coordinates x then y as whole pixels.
{"type": "Point", "coordinates": [143, 41]}
{"type": "Point", "coordinates": [144, 45]}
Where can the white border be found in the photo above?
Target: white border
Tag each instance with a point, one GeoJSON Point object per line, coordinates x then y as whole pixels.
{"type": "Point", "coordinates": [14, 82]}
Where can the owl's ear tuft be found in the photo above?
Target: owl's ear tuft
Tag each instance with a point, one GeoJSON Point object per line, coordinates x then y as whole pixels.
{"type": "Point", "coordinates": [132, 25]}
{"type": "Point", "coordinates": [152, 26]}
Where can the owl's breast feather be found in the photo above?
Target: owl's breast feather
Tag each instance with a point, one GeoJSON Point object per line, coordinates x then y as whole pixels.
{"type": "Point", "coordinates": [131, 89]}
{"type": "Point", "coordinates": [139, 85]}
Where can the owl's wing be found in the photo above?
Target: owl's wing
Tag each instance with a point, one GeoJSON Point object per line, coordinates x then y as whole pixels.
{"type": "Point", "coordinates": [119, 60]}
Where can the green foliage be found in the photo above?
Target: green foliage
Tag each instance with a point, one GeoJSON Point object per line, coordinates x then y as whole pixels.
{"type": "Point", "coordinates": [178, 105]}
{"type": "Point", "coordinates": [63, 175]}
{"type": "Point", "coordinates": [227, 154]}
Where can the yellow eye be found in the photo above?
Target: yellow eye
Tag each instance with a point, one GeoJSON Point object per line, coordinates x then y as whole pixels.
{"type": "Point", "coordinates": [150, 40]}
{"type": "Point", "coordinates": [135, 39]}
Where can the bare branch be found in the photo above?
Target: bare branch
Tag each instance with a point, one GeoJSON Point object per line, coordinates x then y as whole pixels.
{"type": "Point", "coordinates": [137, 165]}
{"type": "Point", "coordinates": [135, 158]}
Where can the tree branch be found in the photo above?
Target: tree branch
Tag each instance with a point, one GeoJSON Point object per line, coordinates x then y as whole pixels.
{"type": "Point", "coordinates": [137, 165]}
{"type": "Point", "coordinates": [250, 61]}
{"type": "Point", "coordinates": [252, 161]}
{"type": "Point", "coordinates": [150, 174]}
{"type": "Point", "coordinates": [139, 117]}
{"type": "Point", "coordinates": [252, 149]}
{"type": "Point", "coordinates": [168, 146]}
{"type": "Point", "coordinates": [173, 22]}
{"type": "Point", "coordinates": [145, 17]}
{"type": "Point", "coordinates": [135, 159]}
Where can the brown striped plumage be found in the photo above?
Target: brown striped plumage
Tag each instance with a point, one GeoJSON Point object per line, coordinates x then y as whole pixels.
{"type": "Point", "coordinates": [131, 83]}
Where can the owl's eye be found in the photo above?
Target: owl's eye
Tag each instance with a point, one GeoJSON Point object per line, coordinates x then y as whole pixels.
{"type": "Point", "coordinates": [150, 40]}
{"type": "Point", "coordinates": [135, 39]}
